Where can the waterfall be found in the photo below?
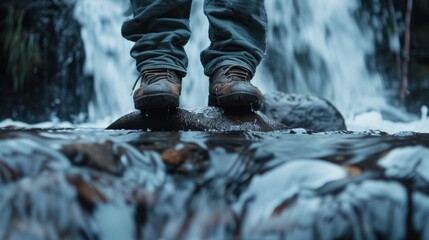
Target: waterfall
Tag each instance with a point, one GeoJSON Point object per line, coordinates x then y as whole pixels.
{"type": "Point", "coordinates": [317, 47]}
{"type": "Point", "coordinates": [314, 46]}
{"type": "Point", "coordinates": [107, 56]}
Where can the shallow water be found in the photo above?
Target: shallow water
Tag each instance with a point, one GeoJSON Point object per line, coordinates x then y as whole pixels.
{"type": "Point", "coordinates": [371, 120]}
{"type": "Point", "coordinates": [87, 183]}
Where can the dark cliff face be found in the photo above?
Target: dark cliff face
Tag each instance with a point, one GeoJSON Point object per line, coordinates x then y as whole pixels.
{"type": "Point", "coordinates": [42, 52]}
{"type": "Point", "coordinates": [389, 63]}
{"type": "Point", "coordinates": [419, 68]}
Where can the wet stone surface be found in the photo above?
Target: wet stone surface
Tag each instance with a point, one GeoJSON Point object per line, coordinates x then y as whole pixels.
{"type": "Point", "coordinates": [204, 119]}
{"type": "Point", "coordinates": [281, 111]}
{"type": "Point", "coordinates": [303, 111]}
{"type": "Point", "coordinates": [292, 184]}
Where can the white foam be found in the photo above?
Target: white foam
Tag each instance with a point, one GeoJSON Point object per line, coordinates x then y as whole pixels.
{"type": "Point", "coordinates": [374, 120]}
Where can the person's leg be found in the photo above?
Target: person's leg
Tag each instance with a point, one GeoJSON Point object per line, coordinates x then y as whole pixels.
{"type": "Point", "coordinates": [237, 34]}
{"type": "Point", "coordinates": [160, 29]}
{"type": "Point", "coordinates": [238, 40]}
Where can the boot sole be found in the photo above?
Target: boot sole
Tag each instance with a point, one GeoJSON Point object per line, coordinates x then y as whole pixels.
{"type": "Point", "coordinates": [236, 101]}
{"type": "Point", "coordinates": [160, 101]}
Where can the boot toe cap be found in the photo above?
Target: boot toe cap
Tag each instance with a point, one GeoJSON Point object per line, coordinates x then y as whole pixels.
{"type": "Point", "coordinates": [245, 87]}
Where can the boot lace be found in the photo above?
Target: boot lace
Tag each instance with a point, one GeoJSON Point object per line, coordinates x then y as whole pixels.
{"type": "Point", "coordinates": [238, 72]}
{"type": "Point", "coordinates": [152, 76]}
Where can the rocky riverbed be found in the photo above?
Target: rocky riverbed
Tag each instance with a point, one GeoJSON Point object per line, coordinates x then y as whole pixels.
{"type": "Point", "coordinates": [288, 184]}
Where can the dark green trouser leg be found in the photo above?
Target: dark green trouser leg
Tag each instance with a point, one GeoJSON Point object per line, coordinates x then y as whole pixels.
{"type": "Point", "coordinates": [160, 29]}
{"type": "Point", "coordinates": [237, 34]}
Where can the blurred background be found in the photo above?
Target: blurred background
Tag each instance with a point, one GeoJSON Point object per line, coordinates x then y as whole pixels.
{"type": "Point", "coordinates": [65, 60]}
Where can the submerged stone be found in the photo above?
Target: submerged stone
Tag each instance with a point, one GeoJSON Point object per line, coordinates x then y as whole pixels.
{"type": "Point", "coordinates": [303, 111]}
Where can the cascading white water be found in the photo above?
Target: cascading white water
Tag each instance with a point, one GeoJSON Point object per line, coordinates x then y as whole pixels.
{"type": "Point", "coordinates": [107, 56]}
{"type": "Point", "coordinates": [322, 51]}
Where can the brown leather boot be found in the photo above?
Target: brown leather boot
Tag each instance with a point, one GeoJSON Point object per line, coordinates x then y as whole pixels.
{"type": "Point", "coordinates": [230, 88]}
{"type": "Point", "coordinates": [159, 89]}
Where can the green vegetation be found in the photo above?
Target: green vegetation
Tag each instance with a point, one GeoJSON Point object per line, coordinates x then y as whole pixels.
{"type": "Point", "coordinates": [19, 47]}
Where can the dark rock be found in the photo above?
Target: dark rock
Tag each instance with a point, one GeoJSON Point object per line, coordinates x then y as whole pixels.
{"type": "Point", "coordinates": [102, 156]}
{"type": "Point", "coordinates": [16, 154]}
{"type": "Point", "coordinates": [419, 58]}
{"type": "Point", "coordinates": [42, 54]}
{"type": "Point", "coordinates": [384, 61]}
{"type": "Point", "coordinates": [303, 111]}
{"type": "Point", "coordinates": [207, 119]}
{"type": "Point", "coordinates": [418, 96]}
{"type": "Point", "coordinates": [292, 110]}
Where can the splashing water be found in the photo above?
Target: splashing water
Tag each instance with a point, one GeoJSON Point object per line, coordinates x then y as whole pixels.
{"type": "Point", "coordinates": [374, 120]}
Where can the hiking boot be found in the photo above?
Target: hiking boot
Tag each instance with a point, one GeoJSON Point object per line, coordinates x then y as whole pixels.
{"type": "Point", "coordinates": [159, 89]}
{"type": "Point", "coordinates": [230, 88]}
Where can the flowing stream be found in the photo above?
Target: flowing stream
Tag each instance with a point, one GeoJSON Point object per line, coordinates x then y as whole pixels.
{"type": "Point", "coordinates": [65, 181]}
{"type": "Point", "coordinates": [98, 184]}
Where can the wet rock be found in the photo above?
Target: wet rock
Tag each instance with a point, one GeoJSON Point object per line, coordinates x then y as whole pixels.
{"type": "Point", "coordinates": [185, 158]}
{"type": "Point", "coordinates": [101, 156]}
{"type": "Point", "coordinates": [420, 215]}
{"type": "Point", "coordinates": [281, 111]}
{"type": "Point", "coordinates": [416, 168]}
{"type": "Point", "coordinates": [43, 56]}
{"type": "Point", "coordinates": [303, 111]}
{"type": "Point", "coordinates": [70, 205]}
{"type": "Point", "coordinates": [368, 210]}
{"type": "Point", "coordinates": [206, 119]}
{"type": "Point", "coordinates": [25, 157]}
